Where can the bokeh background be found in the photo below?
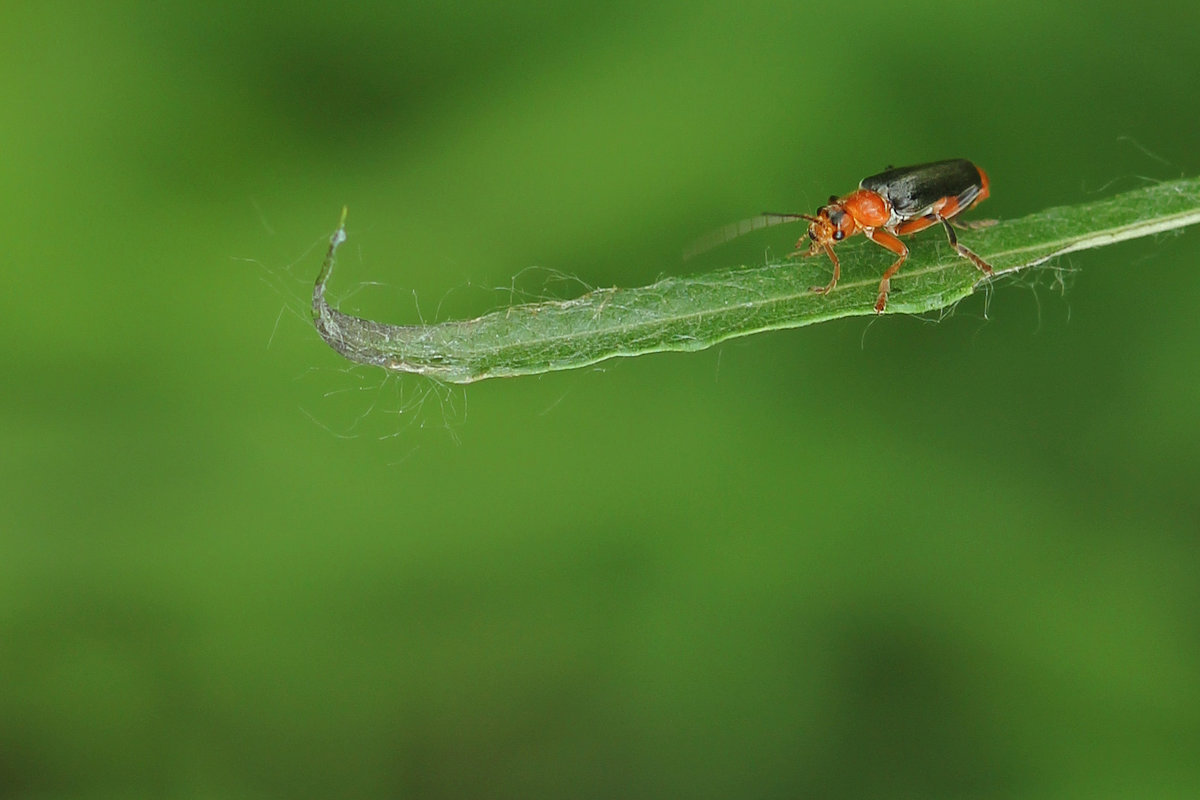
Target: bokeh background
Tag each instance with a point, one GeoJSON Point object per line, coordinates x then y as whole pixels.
{"type": "Point", "coordinates": [873, 558]}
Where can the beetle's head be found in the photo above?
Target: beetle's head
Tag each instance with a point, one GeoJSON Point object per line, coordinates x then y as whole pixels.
{"type": "Point", "coordinates": [831, 225]}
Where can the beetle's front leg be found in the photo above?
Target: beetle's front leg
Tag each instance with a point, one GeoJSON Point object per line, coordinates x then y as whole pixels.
{"type": "Point", "coordinates": [837, 272]}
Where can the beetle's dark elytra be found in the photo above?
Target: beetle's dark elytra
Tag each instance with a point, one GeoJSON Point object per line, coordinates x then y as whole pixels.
{"type": "Point", "coordinates": [913, 189]}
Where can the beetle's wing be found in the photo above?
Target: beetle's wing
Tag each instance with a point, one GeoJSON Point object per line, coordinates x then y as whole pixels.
{"type": "Point", "coordinates": [912, 190]}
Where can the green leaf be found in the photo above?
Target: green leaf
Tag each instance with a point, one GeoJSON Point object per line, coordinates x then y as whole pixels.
{"type": "Point", "coordinates": [698, 311]}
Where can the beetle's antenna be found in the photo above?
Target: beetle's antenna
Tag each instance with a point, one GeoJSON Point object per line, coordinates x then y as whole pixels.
{"type": "Point", "coordinates": [733, 230]}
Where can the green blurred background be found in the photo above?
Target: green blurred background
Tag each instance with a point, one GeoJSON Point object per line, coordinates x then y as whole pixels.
{"type": "Point", "coordinates": [872, 558]}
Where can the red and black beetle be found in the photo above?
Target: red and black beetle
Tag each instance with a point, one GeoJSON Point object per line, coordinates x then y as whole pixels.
{"type": "Point", "coordinates": [894, 203]}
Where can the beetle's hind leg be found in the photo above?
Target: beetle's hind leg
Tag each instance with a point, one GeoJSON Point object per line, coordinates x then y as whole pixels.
{"type": "Point", "coordinates": [962, 250]}
{"type": "Point", "coordinates": [973, 224]}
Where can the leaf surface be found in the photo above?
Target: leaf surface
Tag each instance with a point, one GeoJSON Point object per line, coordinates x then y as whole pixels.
{"type": "Point", "coordinates": [694, 312]}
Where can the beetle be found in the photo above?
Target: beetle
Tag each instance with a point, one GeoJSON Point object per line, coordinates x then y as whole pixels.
{"type": "Point", "coordinates": [895, 203]}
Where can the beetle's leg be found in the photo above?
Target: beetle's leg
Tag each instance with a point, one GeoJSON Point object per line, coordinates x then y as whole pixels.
{"type": "Point", "coordinates": [984, 267]}
{"type": "Point", "coordinates": [887, 240]}
{"type": "Point", "coordinates": [921, 223]}
{"type": "Point", "coordinates": [913, 225]}
{"type": "Point", "coordinates": [812, 249]}
{"type": "Point", "coordinates": [973, 224]}
{"type": "Point", "coordinates": [837, 272]}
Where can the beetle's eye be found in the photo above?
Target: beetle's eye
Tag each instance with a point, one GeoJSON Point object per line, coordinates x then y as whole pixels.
{"type": "Point", "coordinates": [838, 235]}
{"type": "Point", "coordinates": [812, 234]}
